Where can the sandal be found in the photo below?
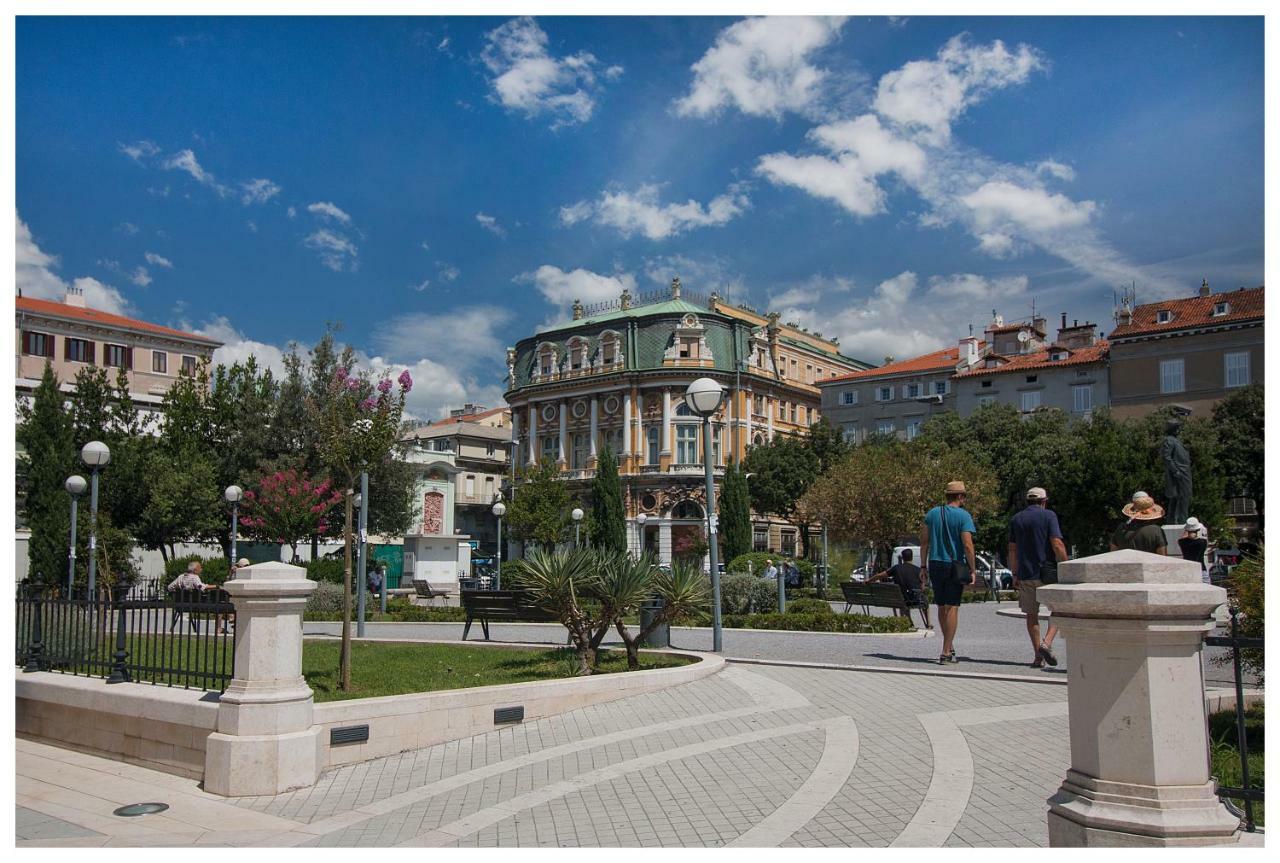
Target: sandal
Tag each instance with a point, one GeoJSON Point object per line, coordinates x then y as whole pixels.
{"type": "Point", "coordinates": [1047, 655]}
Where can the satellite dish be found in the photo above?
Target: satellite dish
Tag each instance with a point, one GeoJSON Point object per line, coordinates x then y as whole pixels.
{"type": "Point", "coordinates": [1024, 336]}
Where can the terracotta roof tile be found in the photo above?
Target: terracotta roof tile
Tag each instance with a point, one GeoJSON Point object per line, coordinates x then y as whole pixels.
{"type": "Point", "coordinates": [106, 319]}
{"type": "Point", "coordinates": [937, 361]}
{"type": "Point", "coordinates": [468, 417]}
{"type": "Point", "coordinates": [1040, 360]}
{"type": "Point", "coordinates": [1191, 312]}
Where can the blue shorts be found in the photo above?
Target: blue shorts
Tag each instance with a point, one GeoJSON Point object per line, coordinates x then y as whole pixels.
{"type": "Point", "coordinates": [946, 590]}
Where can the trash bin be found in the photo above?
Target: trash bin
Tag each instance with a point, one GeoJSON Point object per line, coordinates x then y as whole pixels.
{"type": "Point", "coordinates": [661, 635]}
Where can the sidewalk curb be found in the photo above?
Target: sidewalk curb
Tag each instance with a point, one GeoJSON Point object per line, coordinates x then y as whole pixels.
{"type": "Point", "coordinates": [917, 633]}
{"type": "Point", "coordinates": [880, 669]}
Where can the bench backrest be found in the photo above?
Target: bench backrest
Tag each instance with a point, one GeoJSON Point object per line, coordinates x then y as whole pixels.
{"type": "Point", "coordinates": [508, 604]}
{"type": "Point", "coordinates": [874, 593]}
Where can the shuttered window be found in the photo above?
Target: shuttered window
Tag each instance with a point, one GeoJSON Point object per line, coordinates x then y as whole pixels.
{"type": "Point", "coordinates": [37, 344]}
{"type": "Point", "coordinates": [78, 350]}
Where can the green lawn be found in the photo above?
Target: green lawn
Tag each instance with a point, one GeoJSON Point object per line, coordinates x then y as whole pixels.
{"type": "Point", "coordinates": [1226, 755]}
{"type": "Point", "coordinates": [402, 668]}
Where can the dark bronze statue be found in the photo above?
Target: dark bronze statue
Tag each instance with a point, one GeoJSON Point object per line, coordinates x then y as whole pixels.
{"type": "Point", "coordinates": [1177, 475]}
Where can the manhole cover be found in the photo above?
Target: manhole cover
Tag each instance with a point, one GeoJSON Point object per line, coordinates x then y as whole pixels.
{"type": "Point", "coordinates": [134, 809]}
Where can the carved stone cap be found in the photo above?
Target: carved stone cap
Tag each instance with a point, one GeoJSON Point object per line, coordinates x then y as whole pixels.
{"type": "Point", "coordinates": [1131, 584]}
{"type": "Point", "coordinates": [1128, 567]}
{"type": "Point", "coordinates": [270, 579]}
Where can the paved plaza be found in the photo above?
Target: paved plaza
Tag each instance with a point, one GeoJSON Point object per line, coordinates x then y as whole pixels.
{"type": "Point", "coordinates": [758, 755]}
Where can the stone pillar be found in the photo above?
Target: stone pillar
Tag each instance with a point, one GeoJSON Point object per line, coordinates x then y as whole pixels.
{"type": "Point", "coordinates": [626, 425]}
{"type": "Point", "coordinates": [563, 445]}
{"type": "Point", "coordinates": [750, 409]}
{"type": "Point", "coordinates": [666, 421]}
{"type": "Point", "coordinates": [633, 428]}
{"type": "Point", "coordinates": [770, 408]}
{"type": "Point", "coordinates": [595, 426]}
{"type": "Point", "coordinates": [664, 542]}
{"type": "Point", "coordinates": [1139, 772]}
{"type": "Point", "coordinates": [267, 741]}
{"type": "Point", "coordinates": [533, 433]}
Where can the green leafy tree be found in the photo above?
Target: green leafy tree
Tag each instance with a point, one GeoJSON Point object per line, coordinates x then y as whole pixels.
{"type": "Point", "coordinates": [1239, 419]}
{"type": "Point", "coordinates": [48, 456]}
{"type": "Point", "coordinates": [539, 511]}
{"type": "Point", "coordinates": [184, 501]}
{"type": "Point", "coordinates": [628, 582]}
{"type": "Point", "coordinates": [782, 471]}
{"type": "Point", "coordinates": [608, 525]}
{"type": "Point", "coordinates": [567, 584]}
{"type": "Point", "coordinates": [735, 512]}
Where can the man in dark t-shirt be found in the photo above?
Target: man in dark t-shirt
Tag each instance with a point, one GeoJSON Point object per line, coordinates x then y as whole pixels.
{"type": "Point", "coordinates": [1035, 539]}
{"type": "Point", "coordinates": [910, 579]}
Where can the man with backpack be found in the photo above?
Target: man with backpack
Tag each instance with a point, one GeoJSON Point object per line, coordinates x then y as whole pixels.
{"type": "Point", "coordinates": [946, 543]}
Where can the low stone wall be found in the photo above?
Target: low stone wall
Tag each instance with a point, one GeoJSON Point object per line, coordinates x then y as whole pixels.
{"type": "Point", "coordinates": [153, 726]}
{"type": "Point", "coordinates": [398, 723]}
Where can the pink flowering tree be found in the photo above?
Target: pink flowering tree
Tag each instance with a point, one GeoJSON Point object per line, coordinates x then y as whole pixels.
{"type": "Point", "coordinates": [358, 427]}
{"type": "Point", "coordinates": [287, 506]}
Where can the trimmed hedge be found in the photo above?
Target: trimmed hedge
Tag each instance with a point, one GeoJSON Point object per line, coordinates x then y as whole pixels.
{"type": "Point", "coordinates": [819, 622]}
{"type": "Point", "coordinates": [757, 559]}
{"type": "Point", "coordinates": [329, 608]}
{"type": "Point", "coordinates": [808, 606]}
{"type": "Point", "coordinates": [741, 593]}
{"type": "Point", "coordinates": [327, 570]}
{"type": "Point", "coordinates": [325, 599]}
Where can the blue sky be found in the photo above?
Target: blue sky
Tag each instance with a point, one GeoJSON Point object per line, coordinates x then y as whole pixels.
{"type": "Point", "coordinates": [443, 186]}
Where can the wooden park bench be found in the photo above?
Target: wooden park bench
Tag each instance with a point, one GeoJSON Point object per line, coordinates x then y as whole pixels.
{"type": "Point", "coordinates": [877, 594]}
{"type": "Point", "coordinates": [424, 589]}
{"type": "Point", "coordinates": [487, 605]}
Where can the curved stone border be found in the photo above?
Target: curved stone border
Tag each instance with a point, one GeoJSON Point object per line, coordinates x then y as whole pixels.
{"type": "Point", "coordinates": [917, 633]}
{"type": "Point", "coordinates": [398, 723]}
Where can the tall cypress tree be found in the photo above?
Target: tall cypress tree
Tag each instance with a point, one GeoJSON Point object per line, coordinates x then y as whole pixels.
{"type": "Point", "coordinates": [50, 457]}
{"type": "Point", "coordinates": [735, 513]}
{"type": "Point", "coordinates": [608, 517]}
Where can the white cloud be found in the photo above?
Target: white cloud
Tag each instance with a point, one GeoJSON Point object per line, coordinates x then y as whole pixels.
{"type": "Point", "coordinates": [761, 66]}
{"type": "Point", "coordinates": [527, 78]}
{"type": "Point", "coordinates": [35, 277]}
{"type": "Point", "coordinates": [1056, 170]}
{"type": "Point", "coordinates": [257, 191]}
{"type": "Point", "coordinates": [236, 347]}
{"type": "Point", "coordinates": [447, 272]}
{"type": "Point", "coordinates": [927, 95]}
{"type": "Point", "coordinates": [329, 210]}
{"type": "Point", "coordinates": [900, 318]}
{"type": "Point", "coordinates": [561, 288]}
{"type": "Point", "coordinates": [185, 160]}
{"type": "Point", "coordinates": [251, 225]}
{"type": "Point", "coordinates": [292, 212]}
{"type": "Point", "coordinates": [703, 274]}
{"type": "Point", "coordinates": [158, 260]}
{"type": "Point", "coordinates": [640, 212]}
{"type": "Point", "coordinates": [127, 228]}
{"type": "Point", "coordinates": [422, 285]}
{"type": "Point", "coordinates": [998, 203]}
{"type": "Point", "coordinates": [336, 251]}
{"type": "Point", "coordinates": [140, 277]}
{"type": "Point", "coordinates": [490, 224]}
{"type": "Point", "coordinates": [139, 150]}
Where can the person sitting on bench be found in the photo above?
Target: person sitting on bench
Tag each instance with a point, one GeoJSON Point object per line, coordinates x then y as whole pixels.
{"type": "Point", "coordinates": [910, 578]}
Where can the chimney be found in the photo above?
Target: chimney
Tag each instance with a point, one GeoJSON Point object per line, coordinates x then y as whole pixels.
{"type": "Point", "coordinates": [1078, 335]}
{"type": "Point", "coordinates": [1038, 323]}
{"type": "Point", "coordinates": [74, 297]}
{"type": "Point", "coordinates": [1204, 288]}
{"type": "Point", "coordinates": [675, 288]}
{"type": "Point", "coordinates": [968, 353]}
{"type": "Point", "coordinates": [577, 310]}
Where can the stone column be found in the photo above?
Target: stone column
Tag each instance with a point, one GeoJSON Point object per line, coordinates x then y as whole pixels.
{"type": "Point", "coordinates": [267, 741]}
{"type": "Point", "coordinates": [633, 428]}
{"type": "Point", "coordinates": [664, 541]}
{"type": "Point", "coordinates": [1139, 772]}
{"type": "Point", "coordinates": [515, 434]}
{"type": "Point", "coordinates": [564, 434]}
{"type": "Point", "coordinates": [770, 408]}
{"type": "Point", "coordinates": [626, 425]}
{"type": "Point", "coordinates": [666, 421]}
{"type": "Point", "coordinates": [595, 426]}
{"type": "Point", "coordinates": [750, 409]}
{"type": "Point", "coordinates": [533, 433]}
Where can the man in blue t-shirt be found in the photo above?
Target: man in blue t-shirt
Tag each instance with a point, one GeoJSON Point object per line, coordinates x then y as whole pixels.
{"type": "Point", "coordinates": [1034, 540]}
{"type": "Point", "coordinates": [946, 539]}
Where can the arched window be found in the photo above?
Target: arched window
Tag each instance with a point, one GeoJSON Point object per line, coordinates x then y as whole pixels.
{"type": "Point", "coordinates": [686, 509]}
{"type": "Point", "coordinates": [682, 410]}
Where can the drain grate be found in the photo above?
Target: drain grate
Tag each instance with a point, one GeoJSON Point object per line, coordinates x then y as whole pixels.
{"type": "Point", "coordinates": [135, 809]}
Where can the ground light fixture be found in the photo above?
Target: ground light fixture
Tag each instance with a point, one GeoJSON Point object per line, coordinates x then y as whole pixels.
{"type": "Point", "coordinates": [499, 510]}
{"type": "Point", "coordinates": [75, 485]}
{"type": "Point", "coordinates": [640, 520]}
{"type": "Point", "coordinates": [232, 495]}
{"type": "Point", "coordinates": [704, 397]}
{"type": "Point", "coordinates": [577, 515]}
{"type": "Point", "coordinates": [96, 455]}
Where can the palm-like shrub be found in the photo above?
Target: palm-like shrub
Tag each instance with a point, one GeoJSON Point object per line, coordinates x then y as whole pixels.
{"type": "Point", "coordinates": [567, 584]}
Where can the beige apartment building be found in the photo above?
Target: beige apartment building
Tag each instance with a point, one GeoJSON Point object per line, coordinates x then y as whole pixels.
{"type": "Point", "coordinates": [1190, 352]}
{"type": "Point", "coordinates": [71, 336]}
{"type": "Point", "coordinates": [478, 444]}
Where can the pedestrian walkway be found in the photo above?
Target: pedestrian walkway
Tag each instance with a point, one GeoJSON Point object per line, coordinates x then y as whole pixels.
{"type": "Point", "coordinates": [757, 755]}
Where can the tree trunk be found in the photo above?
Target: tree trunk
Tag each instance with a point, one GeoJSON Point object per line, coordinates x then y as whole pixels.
{"type": "Point", "coordinates": [344, 660]}
{"type": "Point", "coordinates": [315, 546]}
{"type": "Point", "coordinates": [631, 644]}
{"type": "Point", "coordinates": [586, 661]}
{"type": "Point", "coordinates": [163, 557]}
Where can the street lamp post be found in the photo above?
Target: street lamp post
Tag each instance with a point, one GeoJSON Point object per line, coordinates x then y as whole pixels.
{"type": "Point", "coordinates": [640, 520]}
{"type": "Point", "coordinates": [499, 510]}
{"type": "Point", "coordinates": [232, 496]}
{"type": "Point", "coordinates": [704, 397]}
{"type": "Point", "coordinates": [75, 486]}
{"type": "Point", "coordinates": [576, 515]}
{"type": "Point", "coordinates": [96, 455]}
{"type": "Point", "coordinates": [362, 501]}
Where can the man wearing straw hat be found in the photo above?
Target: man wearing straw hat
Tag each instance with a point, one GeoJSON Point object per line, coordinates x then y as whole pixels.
{"type": "Point", "coordinates": [946, 547]}
{"type": "Point", "coordinates": [1141, 531]}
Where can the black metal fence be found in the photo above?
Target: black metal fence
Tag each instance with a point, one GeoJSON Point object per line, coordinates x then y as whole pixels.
{"type": "Point", "coordinates": [1245, 792]}
{"type": "Point", "coordinates": [178, 638]}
